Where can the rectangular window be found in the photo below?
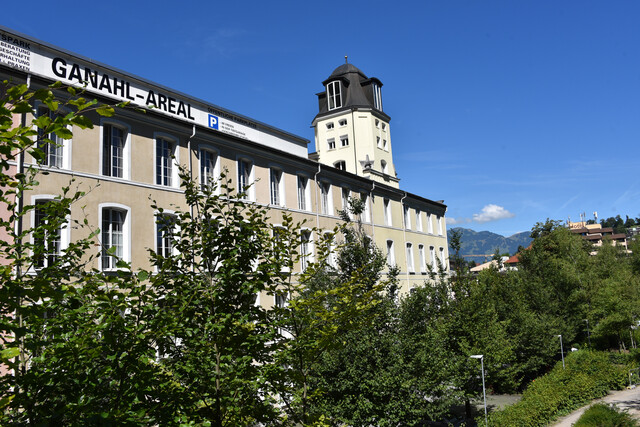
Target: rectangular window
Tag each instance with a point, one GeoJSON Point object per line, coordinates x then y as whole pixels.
{"type": "Point", "coordinates": [52, 148]}
{"type": "Point", "coordinates": [442, 258]}
{"type": "Point", "coordinates": [434, 263]}
{"type": "Point", "coordinates": [344, 141]}
{"type": "Point", "coordinates": [366, 212]}
{"type": "Point", "coordinates": [377, 97]}
{"type": "Point", "coordinates": [208, 160]}
{"type": "Point", "coordinates": [331, 143]}
{"type": "Point", "coordinates": [429, 224]}
{"type": "Point", "coordinates": [165, 225]}
{"type": "Point", "coordinates": [305, 250]}
{"type": "Point", "coordinates": [391, 259]}
{"type": "Point", "coordinates": [407, 218]}
{"type": "Point", "coordinates": [275, 180]}
{"type": "Point", "coordinates": [245, 169]}
{"type": "Point", "coordinates": [439, 220]}
{"type": "Point", "coordinates": [423, 261]}
{"type": "Point", "coordinates": [325, 198]}
{"type": "Point", "coordinates": [331, 256]}
{"type": "Point", "coordinates": [410, 268]}
{"type": "Point", "coordinates": [342, 122]}
{"type": "Point", "coordinates": [113, 141]}
{"type": "Point", "coordinates": [164, 161]}
{"type": "Point", "coordinates": [302, 193]}
{"type": "Point", "coordinates": [345, 199]}
{"type": "Point", "coordinates": [112, 237]}
{"type": "Point", "coordinates": [418, 220]}
{"type": "Point", "coordinates": [330, 125]}
{"type": "Point", "coordinates": [387, 212]}
{"type": "Point", "coordinates": [47, 242]}
{"type": "Point", "coordinates": [334, 95]}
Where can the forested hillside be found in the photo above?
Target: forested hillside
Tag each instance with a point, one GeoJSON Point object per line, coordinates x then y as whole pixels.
{"type": "Point", "coordinates": [479, 246]}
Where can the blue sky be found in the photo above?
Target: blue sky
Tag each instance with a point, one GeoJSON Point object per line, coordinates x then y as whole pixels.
{"type": "Point", "coordinates": [510, 111]}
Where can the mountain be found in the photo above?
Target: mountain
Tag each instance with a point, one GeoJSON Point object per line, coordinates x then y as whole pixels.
{"type": "Point", "coordinates": [479, 246]}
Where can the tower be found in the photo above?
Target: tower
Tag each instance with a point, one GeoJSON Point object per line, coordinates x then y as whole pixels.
{"type": "Point", "coordinates": [351, 130]}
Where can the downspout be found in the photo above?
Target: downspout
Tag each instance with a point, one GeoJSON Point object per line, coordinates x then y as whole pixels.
{"type": "Point", "coordinates": [315, 178]}
{"type": "Point", "coordinates": [18, 231]}
{"type": "Point", "coordinates": [353, 132]}
{"type": "Point", "coordinates": [370, 201]}
{"type": "Point", "coordinates": [404, 236]}
{"type": "Point", "coordinates": [191, 178]}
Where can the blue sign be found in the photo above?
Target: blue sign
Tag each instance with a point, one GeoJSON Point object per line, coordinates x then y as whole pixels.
{"type": "Point", "coordinates": [213, 121]}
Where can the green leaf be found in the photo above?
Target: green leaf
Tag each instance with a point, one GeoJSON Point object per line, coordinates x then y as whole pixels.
{"type": "Point", "coordinates": [9, 353]}
{"type": "Point", "coordinates": [105, 110]}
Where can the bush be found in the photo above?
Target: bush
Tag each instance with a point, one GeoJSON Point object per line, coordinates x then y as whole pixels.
{"type": "Point", "coordinates": [603, 415]}
{"type": "Point", "coordinates": [588, 375]}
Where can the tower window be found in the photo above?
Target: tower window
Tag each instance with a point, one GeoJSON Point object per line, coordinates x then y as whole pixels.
{"type": "Point", "coordinates": [344, 141]}
{"type": "Point", "coordinates": [383, 166]}
{"type": "Point", "coordinates": [330, 125]}
{"type": "Point", "coordinates": [342, 122]}
{"type": "Point", "coordinates": [331, 143]}
{"type": "Point", "coordinates": [334, 95]}
{"type": "Point", "coordinates": [377, 97]}
{"type": "Point", "coordinates": [341, 164]}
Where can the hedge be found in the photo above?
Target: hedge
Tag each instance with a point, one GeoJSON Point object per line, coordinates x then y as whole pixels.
{"type": "Point", "coordinates": [588, 375]}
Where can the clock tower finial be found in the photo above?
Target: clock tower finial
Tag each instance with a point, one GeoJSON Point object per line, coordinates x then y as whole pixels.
{"type": "Point", "coordinates": [345, 59]}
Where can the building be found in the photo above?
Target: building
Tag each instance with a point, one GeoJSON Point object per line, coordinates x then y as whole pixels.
{"type": "Point", "coordinates": [597, 234]}
{"type": "Point", "coordinates": [126, 160]}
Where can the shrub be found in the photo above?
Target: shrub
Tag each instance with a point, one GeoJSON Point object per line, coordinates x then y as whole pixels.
{"type": "Point", "coordinates": [603, 415]}
{"type": "Point", "coordinates": [588, 375]}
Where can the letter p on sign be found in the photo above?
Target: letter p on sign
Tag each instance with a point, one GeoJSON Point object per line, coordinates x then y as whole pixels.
{"type": "Point", "coordinates": [213, 122]}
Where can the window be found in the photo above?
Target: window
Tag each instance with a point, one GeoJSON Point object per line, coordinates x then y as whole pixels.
{"type": "Point", "coordinates": [340, 164]}
{"type": "Point", "coordinates": [164, 162]}
{"type": "Point", "coordinates": [366, 212]}
{"type": "Point", "coordinates": [434, 263]}
{"type": "Point", "coordinates": [377, 97]}
{"type": "Point", "coordinates": [325, 198]}
{"type": "Point", "coordinates": [342, 122]}
{"type": "Point", "coordinates": [383, 166]}
{"type": "Point", "coordinates": [331, 143]}
{"type": "Point", "coordinates": [281, 247]}
{"type": "Point", "coordinates": [330, 125]}
{"type": "Point", "coordinates": [377, 123]}
{"type": "Point", "coordinates": [245, 179]}
{"type": "Point", "coordinates": [442, 258]}
{"type": "Point", "coordinates": [410, 268]}
{"type": "Point", "coordinates": [344, 141]}
{"type": "Point", "coordinates": [54, 148]}
{"type": "Point", "coordinates": [387, 212]}
{"type": "Point", "coordinates": [208, 168]}
{"type": "Point", "coordinates": [305, 250]}
{"type": "Point", "coordinates": [47, 235]}
{"type": "Point", "coordinates": [115, 236]}
{"type": "Point", "coordinates": [384, 126]}
{"type": "Point", "coordinates": [429, 224]}
{"type": "Point", "coordinates": [277, 187]}
{"type": "Point", "coordinates": [345, 200]}
{"type": "Point", "coordinates": [418, 220]}
{"type": "Point", "coordinates": [378, 142]}
{"type": "Point", "coordinates": [391, 259]}
{"type": "Point", "coordinates": [407, 218]}
{"type": "Point", "coordinates": [334, 95]}
{"type": "Point", "coordinates": [439, 220]}
{"type": "Point", "coordinates": [423, 261]}
{"type": "Point", "coordinates": [114, 151]}
{"type": "Point", "coordinates": [165, 227]}
{"type": "Point", "coordinates": [304, 202]}
{"type": "Point", "coordinates": [329, 246]}
{"type": "Point", "coordinates": [384, 144]}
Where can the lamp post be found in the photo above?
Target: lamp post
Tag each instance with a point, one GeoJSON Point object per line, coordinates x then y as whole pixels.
{"type": "Point", "coordinates": [561, 350]}
{"type": "Point", "coordinates": [484, 394]}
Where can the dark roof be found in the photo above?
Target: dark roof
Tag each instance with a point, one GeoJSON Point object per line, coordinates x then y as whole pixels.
{"type": "Point", "coordinates": [356, 89]}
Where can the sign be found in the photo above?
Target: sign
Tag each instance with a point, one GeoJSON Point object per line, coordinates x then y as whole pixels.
{"type": "Point", "coordinates": [31, 57]}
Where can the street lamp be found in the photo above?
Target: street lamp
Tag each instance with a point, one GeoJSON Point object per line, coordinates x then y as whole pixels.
{"type": "Point", "coordinates": [588, 333]}
{"type": "Point", "coordinates": [484, 394]}
{"type": "Point", "coordinates": [561, 350]}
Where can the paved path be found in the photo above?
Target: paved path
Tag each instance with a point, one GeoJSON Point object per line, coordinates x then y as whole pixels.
{"type": "Point", "coordinates": [628, 399]}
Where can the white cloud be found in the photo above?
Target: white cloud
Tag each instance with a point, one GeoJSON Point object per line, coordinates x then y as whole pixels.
{"type": "Point", "coordinates": [455, 221]}
{"type": "Point", "coordinates": [492, 212]}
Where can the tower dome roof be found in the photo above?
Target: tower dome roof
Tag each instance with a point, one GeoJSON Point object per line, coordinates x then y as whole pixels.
{"type": "Point", "coordinates": [346, 69]}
